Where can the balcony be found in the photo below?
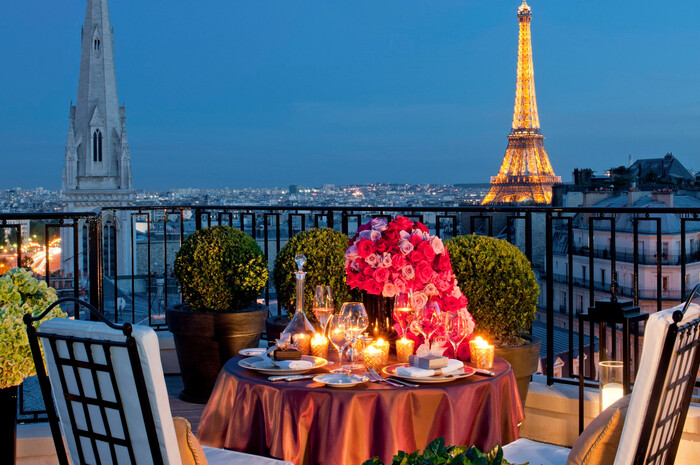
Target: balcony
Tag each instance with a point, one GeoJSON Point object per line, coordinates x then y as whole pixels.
{"type": "Point", "coordinates": [628, 256]}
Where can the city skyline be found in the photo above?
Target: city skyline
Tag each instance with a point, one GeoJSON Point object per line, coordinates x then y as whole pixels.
{"type": "Point", "coordinates": [279, 94]}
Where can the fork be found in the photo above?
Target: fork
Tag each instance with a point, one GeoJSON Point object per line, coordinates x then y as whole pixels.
{"type": "Point", "coordinates": [379, 378]}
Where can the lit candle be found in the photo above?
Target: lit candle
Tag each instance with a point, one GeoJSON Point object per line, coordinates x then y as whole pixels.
{"type": "Point", "coordinates": [372, 357]}
{"type": "Point", "coordinates": [383, 345]}
{"type": "Point", "coordinates": [319, 345]}
{"type": "Point", "coordinates": [404, 348]}
{"type": "Point", "coordinates": [481, 353]}
{"type": "Point", "coordinates": [303, 343]}
{"type": "Point", "coordinates": [609, 394]}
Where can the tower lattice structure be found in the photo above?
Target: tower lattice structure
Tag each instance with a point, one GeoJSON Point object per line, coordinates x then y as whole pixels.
{"type": "Point", "coordinates": [526, 174]}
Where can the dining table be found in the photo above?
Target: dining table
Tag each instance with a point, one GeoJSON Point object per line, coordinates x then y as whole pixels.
{"type": "Point", "coordinates": [306, 422]}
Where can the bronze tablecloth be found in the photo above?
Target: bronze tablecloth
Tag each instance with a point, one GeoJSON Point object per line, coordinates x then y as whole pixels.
{"type": "Point", "coordinates": [307, 423]}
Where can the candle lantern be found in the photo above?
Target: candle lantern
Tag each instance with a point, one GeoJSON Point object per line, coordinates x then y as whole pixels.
{"type": "Point", "coordinates": [404, 349]}
{"type": "Point", "coordinates": [373, 358]}
{"type": "Point", "coordinates": [608, 314]}
{"type": "Point", "coordinates": [319, 346]}
{"type": "Point", "coordinates": [610, 383]}
{"type": "Point", "coordinates": [481, 353]}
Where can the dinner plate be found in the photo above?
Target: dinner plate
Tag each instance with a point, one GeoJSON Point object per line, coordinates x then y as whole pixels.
{"type": "Point", "coordinates": [253, 363]}
{"type": "Point", "coordinates": [458, 374]}
{"type": "Point", "coordinates": [340, 380]}
{"type": "Point", "coordinates": [252, 351]}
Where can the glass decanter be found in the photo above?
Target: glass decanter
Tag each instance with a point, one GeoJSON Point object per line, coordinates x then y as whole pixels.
{"type": "Point", "coordinates": [299, 324]}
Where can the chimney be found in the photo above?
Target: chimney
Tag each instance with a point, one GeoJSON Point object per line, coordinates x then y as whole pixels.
{"type": "Point", "coordinates": [633, 195]}
{"type": "Point", "coordinates": [663, 195]}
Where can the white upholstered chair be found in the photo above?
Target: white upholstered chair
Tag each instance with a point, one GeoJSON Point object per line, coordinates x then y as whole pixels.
{"type": "Point", "coordinates": [109, 391]}
{"type": "Point", "coordinates": [660, 399]}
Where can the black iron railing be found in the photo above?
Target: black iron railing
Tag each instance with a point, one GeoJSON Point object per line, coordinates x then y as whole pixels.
{"type": "Point", "coordinates": [121, 258]}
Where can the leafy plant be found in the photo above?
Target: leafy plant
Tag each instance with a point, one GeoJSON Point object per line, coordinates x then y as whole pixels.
{"type": "Point", "coordinates": [324, 249]}
{"type": "Point", "coordinates": [499, 283]}
{"type": "Point", "coordinates": [220, 269]}
{"type": "Point", "coordinates": [437, 453]}
{"type": "Point", "coordinates": [20, 293]}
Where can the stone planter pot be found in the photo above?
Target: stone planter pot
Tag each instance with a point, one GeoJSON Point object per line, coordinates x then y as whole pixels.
{"type": "Point", "coordinates": [274, 326]}
{"type": "Point", "coordinates": [205, 341]}
{"type": "Point", "coordinates": [8, 430]}
{"type": "Point", "coordinates": [524, 360]}
{"type": "Point", "coordinates": [380, 312]}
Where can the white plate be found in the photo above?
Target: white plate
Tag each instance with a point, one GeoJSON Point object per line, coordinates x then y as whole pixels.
{"type": "Point", "coordinates": [340, 380]}
{"type": "Point", "coordinates": [458, 374]}
{"type": "Point", "coordinates": [253, 362]}
{"type": "Point", "coordinates": [252, 351]}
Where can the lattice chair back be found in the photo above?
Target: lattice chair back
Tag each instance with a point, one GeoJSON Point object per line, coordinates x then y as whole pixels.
{"type": "Point", "coordinates": [107, 384]}
{"type": "Point", "coordinates": [663, 387]}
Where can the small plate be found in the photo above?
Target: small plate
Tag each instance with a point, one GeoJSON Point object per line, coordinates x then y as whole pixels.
{"type": "Point", "coordinates": [458, 374]}
{"type": "Point", "coordinates": [340, 380]}
{"type": "Point", "coordinates": [252, 351]}
{"type": "Point", "coordinates": [252, 363]}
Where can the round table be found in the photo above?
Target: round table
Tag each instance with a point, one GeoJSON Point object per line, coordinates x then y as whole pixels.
{"type": "Point", "coordinates": [307, 423]}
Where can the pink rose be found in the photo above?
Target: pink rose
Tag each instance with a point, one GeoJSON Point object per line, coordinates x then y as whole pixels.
{"type": "Point", "coordinates": [386, 260]}
{"type": "Point", "coordinates": [400, 284]}
{"type": "Point", "coordinates": [356, 264]}
{"type": "Point", "coordinates": [443, 286]}
{"type": "Point", "coordinates": [365, 247]}
{"type": "Point", "coordinates": [419, 299]}
{"type": "Point", "coordinates": [351, 252]}
{"type": "Point", "coordinates": [373, 287]}
{"type": "Point", "coordinates": [437, 245]}
{"type": "Point", "coordinates": [405, 247]}
{"type": "Point", "coordinates": [430, 289]}
{"type": "Point", "coordinates": [378, 224]}
{"type": "Point", "coordinates": [421, 226]}
{"type": "Point", "coordinates": [408, 272]}
{"type": "Point", "coordinates": [389, 290]}
{"type": "Point", "coordinates": [381, 275]}
{"type": "Point", "coordinates": [372, 260]}
{"type": "Point", "coordinates": [427, 250]}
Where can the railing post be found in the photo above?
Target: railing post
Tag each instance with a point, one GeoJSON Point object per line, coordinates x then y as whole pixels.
{"type": "Point", "coordinates": [549, 259]}
{"type": "Point", "coordinates": [95, 264]}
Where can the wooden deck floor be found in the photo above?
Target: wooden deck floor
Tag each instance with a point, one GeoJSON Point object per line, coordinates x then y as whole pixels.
{"type": "Point", "coordinates": [180, 408]}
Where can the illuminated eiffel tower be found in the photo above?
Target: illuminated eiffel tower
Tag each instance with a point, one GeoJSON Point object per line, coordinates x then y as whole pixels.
{"type": "Point", "coordinates": [526, 174]}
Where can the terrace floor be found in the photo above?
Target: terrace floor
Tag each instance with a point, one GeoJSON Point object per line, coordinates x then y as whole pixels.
{"type": "Point", "coordinates": [179, 408]}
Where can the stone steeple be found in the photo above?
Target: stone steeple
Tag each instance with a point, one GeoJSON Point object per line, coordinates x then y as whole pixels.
{"type": "Point", "coordinates": [97, 150]}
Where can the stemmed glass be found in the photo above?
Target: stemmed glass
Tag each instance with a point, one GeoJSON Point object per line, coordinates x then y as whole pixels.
{"type": "Point", "coordinates": [403, 310]}
{"type": "Point", "coordinates": [338, 337]}
{"type": "Point", "coordinates": [323, 306]}
{"type": "Point", "coordinates": [428, 320]}
{"type": "Point", "coordinates": [455, 324]}
{"type": "Point", "coordinates": [356, 321]}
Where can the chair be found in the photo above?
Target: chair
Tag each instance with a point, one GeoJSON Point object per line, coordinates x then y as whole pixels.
{"type": "Point", "coordinates": [108, 386]}
{"type": "Point", "coordinates": [660, 398]}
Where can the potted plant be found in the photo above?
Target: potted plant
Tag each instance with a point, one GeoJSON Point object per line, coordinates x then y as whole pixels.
{"type": "Point", "coordinates": [324, 249]}
{"type": "Point", "coordinates": [502, 290]}
{"type": "Point", "coordinates": [221, 271]}
{"type": "Point", "coordinates": [437, 453]}
{"type": "Point", "coordinates": [20, 293]}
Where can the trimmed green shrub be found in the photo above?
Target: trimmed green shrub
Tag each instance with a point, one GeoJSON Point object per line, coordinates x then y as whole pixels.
{"type": "Point", "coordinates": [437, 453]}
{"type": "Point", "coordinates": [324, 249]}
{"type": "Point", "coordinates": [499, 283]}
{"type": "Point", "coordinates": [220, 269]}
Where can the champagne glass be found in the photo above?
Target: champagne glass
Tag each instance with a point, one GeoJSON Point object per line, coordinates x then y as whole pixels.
{"type": "Point", "coordinates": [356, 321]}
{"type": "Point", "coordinates": [428, 319]}
{"type": "Point", "coordinates": [337, 336]}
{"type": "Point", "coordinates": [403, 310]}
{"type": "Point", "coordinates": [455, 324]}
{"type": "Point", "coordinates": [323, 306]}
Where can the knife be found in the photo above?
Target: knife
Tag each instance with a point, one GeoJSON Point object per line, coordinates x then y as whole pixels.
{"type": "Point", "coordinates": [289, 377]}
{"type": "Point", "coordinates": [484, 372]}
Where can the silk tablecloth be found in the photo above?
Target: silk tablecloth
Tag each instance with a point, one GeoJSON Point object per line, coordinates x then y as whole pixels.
{"type": "Point", "coordinates": [307, 423]}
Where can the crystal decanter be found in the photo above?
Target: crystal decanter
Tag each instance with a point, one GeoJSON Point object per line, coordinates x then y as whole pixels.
{"type": "Point", "coordinates": [299, 324]}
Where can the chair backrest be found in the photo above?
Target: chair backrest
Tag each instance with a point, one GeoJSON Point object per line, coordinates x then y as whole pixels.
{"type": "Point", "coordinates": [108, 386]}
{"type": "Point", "coordinates": [663, 387]}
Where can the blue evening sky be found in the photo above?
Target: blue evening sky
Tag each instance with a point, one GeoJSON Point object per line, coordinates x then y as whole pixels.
{"type": "Point", "coordinates": [273, 92]}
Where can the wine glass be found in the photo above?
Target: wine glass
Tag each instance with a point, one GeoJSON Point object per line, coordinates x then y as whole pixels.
{"type": "Point", "coordinates": [356, 321]}
{"type": "Point", "coordinates": [337, 336]}
{"type": "Point", "coordinates": [403, 310]}
{"type": "Point", "coordinates": [323, 306]}
{"type": "Point", "coordinates": [455, 324]}
{"type": "Point", "coordinates": [428, 319]}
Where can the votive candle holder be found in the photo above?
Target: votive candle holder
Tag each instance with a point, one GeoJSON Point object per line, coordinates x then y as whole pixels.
{"type": "Point", "coordinates": [384, 346]}
{"type": "Point", "coordinates": [303, 343]}
{"type": "Point", "coordinates": [373, 358]}
{"type": "Point", "coordinates": [319, 346]}
{"type": "Point", "coordinates": [483, 356]}
{"type": "Point", "coordinates": [404, 349]}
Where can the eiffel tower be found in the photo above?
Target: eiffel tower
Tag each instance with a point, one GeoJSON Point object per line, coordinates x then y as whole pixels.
{"type": "Point", "coordinates": [526, 174]}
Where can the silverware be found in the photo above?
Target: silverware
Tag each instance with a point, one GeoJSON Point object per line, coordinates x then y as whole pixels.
{"type": "Point", "coordinates": [484, 372]}
{"type": "Point", "coordinates": [289, 377]}
{"type": "Point", "coordinates": [373, 373]}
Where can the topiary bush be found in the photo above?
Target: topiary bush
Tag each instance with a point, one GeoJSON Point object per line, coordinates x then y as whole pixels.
{"type": "Point", "coordinates": [220, 269]}
{"type": "Point", "coordinates": [499, 283]}
{"type": "Point", "coordinates": [324, 249]}
{"type": "Point", "coordinates": [437, 453]}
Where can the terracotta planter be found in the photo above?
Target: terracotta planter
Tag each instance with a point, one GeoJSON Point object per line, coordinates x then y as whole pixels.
{"type": "Point", "coordinates": [205, 341]}
{"type": "Point", "coordinates": [524, 360]}
{"type": "Point", "coordinates": [380, 314]}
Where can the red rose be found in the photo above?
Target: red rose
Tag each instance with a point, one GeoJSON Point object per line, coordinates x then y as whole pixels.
{"type": "Point", "coordinates": [424, 272]}
{"type": "Point", "coordinates": [416, 257]}
{"type": "Point", "coordinates": [364, 227]}
{"type": "Point", "coordinates": [421, 226]}
{"type": "Point", "coordinates": [365, 248]}
{"type": "Point", "coordinates": [373, 287]}
{"type": "Point", "coordinates": [368, 271]}
{"type": "Point", "coordinates": [403, 223]}
{"type": "Point", "coordinates": [415, 240]}
{"type": "Point", "coordinates": [463, 349]}
{"type": "Point", "coordinates": [381, 246]}
{"type": "Point", "coordinates": [427, 250]}
{"type": "Point", "coordinates": [381, 275]}
{"type": "Point", "coordinates": [450, 304]}
{"type": "Point", "coordinates": [442, 263]}
{"type": "Point", "coordinates": [391, 234]}
{"type": "Point", "coordinates": [398, 261]}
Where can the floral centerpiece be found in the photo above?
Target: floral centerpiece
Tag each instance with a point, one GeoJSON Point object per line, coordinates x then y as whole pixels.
{"type": "Point", "coordinates": [20, 293]}
{"type": "Point", "coordinates": [388, 258]}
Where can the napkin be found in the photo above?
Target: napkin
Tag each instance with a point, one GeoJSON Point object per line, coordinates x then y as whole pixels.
{"type": "Point", "coordinates": [436, 349]}
{"type": "Point", "coordinates": [415, 372]}
{"type": "Point", "coordinates": [285, 364]}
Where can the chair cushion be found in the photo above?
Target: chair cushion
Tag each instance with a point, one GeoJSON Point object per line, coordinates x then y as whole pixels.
{"type": "Point", "coordinates": [598, 442]}
{"type": "Point", "coordinates": [537, 453]}
{"type": "Point", "coordinates": [230, 457]}
{"type": "Point", "coordinates": [191, 452]}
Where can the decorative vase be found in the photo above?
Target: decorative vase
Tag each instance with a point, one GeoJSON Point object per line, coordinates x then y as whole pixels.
{"type": "Point", "coordinates": [380, 313]}
{"type": "Point", "coordinates": [8, 430]}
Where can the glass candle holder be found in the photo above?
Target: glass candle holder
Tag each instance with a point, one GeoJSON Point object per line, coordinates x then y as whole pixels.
{"type": "Point", "coordinates": [482, 355]}
{"type": "Point", "coordinates": [404, 349]}
{"type": "Point", "coordinates": [610, 383]}
{"type": "Point", "coordinates": [319, 346]}
{"type": "Point", "coordinates": [303, 342]}
{"type": "Point", "coordinates": [383, 345]}
{"type": "Point", "coordinates": [473, 345]}
{"type": "Point", "coordinates": [373, 358]}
